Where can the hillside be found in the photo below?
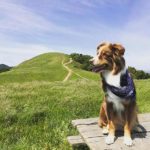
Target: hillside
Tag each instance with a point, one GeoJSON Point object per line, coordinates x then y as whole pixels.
{"type": "Point", "coordinates": [37, 114]}
{"type": "Point", "coordinates": [45, 67]}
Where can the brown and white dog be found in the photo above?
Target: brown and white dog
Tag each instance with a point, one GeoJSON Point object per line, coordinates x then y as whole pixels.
{"type": "Point", "coordinates": [115, 110]}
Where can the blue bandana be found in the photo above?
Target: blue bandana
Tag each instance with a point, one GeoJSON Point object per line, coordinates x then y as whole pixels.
{"type": "Point", "coordinates": [127, 89]}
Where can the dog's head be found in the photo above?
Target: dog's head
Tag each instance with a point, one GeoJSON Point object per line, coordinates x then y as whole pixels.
{"type": "Point", "coordinates": [109, 57]}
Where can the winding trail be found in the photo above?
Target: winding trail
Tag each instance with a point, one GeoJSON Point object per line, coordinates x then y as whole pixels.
{"type": "Point", "coordinates": [69, 70]}
{"type": "Point", "coordinates": [80, 76]}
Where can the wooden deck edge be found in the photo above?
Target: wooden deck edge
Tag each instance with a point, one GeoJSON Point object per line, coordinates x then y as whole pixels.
{"type": "Point", "coordinates": [75, 140]}
{"type": "Point", "coordinates": [87, 121]}
{"type": "Point", "coordinates": [142, 118]}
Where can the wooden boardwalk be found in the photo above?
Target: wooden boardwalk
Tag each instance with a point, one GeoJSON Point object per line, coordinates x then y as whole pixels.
{"type": "Point", "coordinates": [91, 135]}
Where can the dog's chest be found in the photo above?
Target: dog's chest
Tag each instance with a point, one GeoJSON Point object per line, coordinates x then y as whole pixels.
{"type": "Point", "coordinates": [114, 80]}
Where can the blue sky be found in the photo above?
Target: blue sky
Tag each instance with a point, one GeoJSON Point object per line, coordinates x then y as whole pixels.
{"type": "Point", "coordinates": [32, 27]}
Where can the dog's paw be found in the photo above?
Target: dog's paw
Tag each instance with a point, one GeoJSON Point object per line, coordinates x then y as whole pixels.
{"type": "Point", "coordinates": [128, 141]}
{"type": "Point", "coordinates": [110, 139]}
{"type": "Point", "coordinates": [105, 130]}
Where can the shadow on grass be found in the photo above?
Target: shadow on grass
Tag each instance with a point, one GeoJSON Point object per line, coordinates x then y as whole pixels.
{"type": "Point", "coordinates": [38, 117]}
{"type": "Point", "coordinates": [9, 120]}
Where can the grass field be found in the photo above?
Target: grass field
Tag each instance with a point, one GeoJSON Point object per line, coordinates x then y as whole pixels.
{"type": "Point", "coordinates": [36, 112]}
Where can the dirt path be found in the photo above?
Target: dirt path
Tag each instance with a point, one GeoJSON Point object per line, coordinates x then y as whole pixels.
{"type": "Point", "coordinates": [80, 76]}
{"type": "Point", "coordinates": [69, 70]}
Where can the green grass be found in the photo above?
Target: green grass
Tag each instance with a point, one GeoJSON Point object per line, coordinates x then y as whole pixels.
{"type": "Point", "coordinates": [36, 113]}
{"type": "Point", "coordinates": [45, 67]}
{"type": "Point", "coordinates": [143, 95]}
{"type": "Point", "coordinates": [83, 73]}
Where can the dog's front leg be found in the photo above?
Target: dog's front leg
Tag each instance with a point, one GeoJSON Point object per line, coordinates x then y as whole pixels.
{"type": "Point", "coordinates": [127, 134]}
{"type": "Point", "coordinates": [129, 120]}
{"type": "Point", "coordinates": [111, 133]}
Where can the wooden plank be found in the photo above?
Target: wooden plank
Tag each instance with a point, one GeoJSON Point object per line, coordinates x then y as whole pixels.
{"type": "Point", "coordinates": [95, 131]}
{"type": "Point", "coordinates": [75, 140]}
{"type": "Point", "coordinates": [98, 143]}
{"type": "Point", "coordinates": [84, 128]}
{"type": "Point", "coordinates": [142, 118]}
{"type": "Point", "coordinates": [92, 134]}
{"type": "Point", "coordinates": [90, 130]}
{"type": "Point", "coordinates": [87, 121]}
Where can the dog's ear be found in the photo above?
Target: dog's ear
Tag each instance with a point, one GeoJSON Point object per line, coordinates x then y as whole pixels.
{"type": "Point", "coordinates": [118, 49]}
{"type": "Point", "coordinates": [102, 44]}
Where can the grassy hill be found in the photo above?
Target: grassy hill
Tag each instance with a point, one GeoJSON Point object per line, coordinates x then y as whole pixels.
{"type": "Point", "coordinates": [45, 67]}
{"type": "Point", "coordinates": [37, 107]}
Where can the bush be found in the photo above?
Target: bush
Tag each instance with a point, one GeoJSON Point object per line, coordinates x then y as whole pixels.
{"type": "Point", "coordinates": [138, 74]}
{"type": "Point", "coordinates": [4, 68]}
{"type": "Point", "coordinates": [83, 60]}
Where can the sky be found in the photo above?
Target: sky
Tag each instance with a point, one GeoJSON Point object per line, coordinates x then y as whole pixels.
{"type": "Point", "coordinates": [32, 27]}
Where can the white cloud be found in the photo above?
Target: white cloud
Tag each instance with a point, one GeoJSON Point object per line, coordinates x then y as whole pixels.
{"type": "Point", "coordinates": [18, 18]}
{"type": "Point", "coordinates": [19, 21]}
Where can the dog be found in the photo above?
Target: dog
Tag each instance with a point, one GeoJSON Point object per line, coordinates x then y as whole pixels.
{"type": "Point", "coordinates": [119, 104]}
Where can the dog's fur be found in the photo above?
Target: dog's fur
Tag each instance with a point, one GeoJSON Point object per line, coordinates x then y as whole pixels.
{"type": "Point", "coordinates": [114, 110]}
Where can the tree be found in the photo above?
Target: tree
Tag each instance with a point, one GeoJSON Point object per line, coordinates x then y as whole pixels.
{"type": "Point", "coordinates": [83, 60]}
{"type": "Point", "coordinates": [138, 74]}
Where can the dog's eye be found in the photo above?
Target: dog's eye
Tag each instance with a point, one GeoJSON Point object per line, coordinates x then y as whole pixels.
{"type": "Point", "coordinates": [107, 54]}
